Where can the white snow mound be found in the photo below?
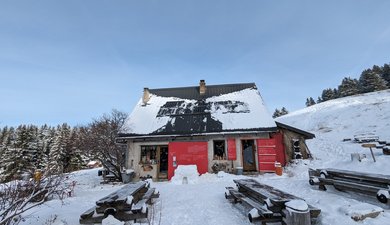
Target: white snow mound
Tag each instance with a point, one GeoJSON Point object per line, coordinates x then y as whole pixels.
{"type": "Point", "coordinates": [186, 174]}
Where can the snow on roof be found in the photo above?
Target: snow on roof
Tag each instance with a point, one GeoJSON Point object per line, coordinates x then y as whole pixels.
{"type": "Point", "coordinates": [256, 116]}
{"type": "Point", "coordinates": [239, 110]}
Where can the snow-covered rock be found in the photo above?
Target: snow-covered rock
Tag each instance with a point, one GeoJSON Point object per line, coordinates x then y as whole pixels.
{"type": "Point", "coordinates": [361, 211]}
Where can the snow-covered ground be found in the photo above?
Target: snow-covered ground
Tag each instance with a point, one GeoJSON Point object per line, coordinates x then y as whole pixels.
{"type": "Point", "coordinates": [203, 201]}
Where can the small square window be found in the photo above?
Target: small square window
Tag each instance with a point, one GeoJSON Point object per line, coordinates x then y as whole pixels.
{"type": "Point", "coordinates": [148, 154]}
{"type": "Point", "coordinates": [219, 150]}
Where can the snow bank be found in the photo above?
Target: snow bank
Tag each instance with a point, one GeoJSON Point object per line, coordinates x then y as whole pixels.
{"type": "Point", "coordinates": [186, 174]}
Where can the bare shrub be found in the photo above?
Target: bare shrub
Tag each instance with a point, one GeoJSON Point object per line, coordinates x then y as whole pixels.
{"type": "Point", "coordinates": [16, 197]}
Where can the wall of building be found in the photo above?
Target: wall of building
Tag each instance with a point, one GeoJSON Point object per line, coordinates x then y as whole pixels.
{"type": "Point", "coordinates": [134, 159]}
{"type": "Point", "coordinates": [143, 170]}
{"type": "Point", "coordinates": [288, 137]}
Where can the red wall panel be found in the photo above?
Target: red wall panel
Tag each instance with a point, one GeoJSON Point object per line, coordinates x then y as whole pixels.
{"type": "Point", "coordinates": [187, 153]}
{"type": "Point", "coordinates": [232, 154]}
{"type": "Point", "coordinates": [269, 151]}
{"type": "Point", "coordinates": [280, 152]}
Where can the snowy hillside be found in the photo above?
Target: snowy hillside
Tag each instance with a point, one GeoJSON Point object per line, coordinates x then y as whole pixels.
{"type": "Point", "coordinates": [344, 117]}
{"type": "Point", "coordinates": [202, 201]}
{"type": "Point", "coordinates": [335, 120]}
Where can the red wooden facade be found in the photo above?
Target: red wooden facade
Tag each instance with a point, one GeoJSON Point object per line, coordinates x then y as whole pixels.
{"type": "Point", "coordinates": [187, 153]}
{"type": "Point", "coordinates": [270, 151]}
{"type": "Point", "coordinates": [196, 153]}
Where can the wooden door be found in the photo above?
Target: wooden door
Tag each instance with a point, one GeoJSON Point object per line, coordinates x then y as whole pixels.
{"type": "Point", "coordinates": [248, 155]}
{"type": "Point", "coordinates": [163, 162]}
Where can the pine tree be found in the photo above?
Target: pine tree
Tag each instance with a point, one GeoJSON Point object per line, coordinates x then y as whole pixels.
{"type": "Point", "coordinates": [386, 74]}
{"type": "Point", "coordinates": [377, 69]}
{"type": "Point", "coordinates": [328, 94]}
{"type": "Point", "coordinates": [74, 156]}
{"type": "Point", "coordinates": [58, 151]}
{"type": "Point", "coordinates": [3, 134]}
{"type": "Point", "coordinates": [319, 100]}
{"type": "Point", "coordinates": [348, 87]}
{"type": "Point", "coordinates": [310, 101]}
{"type": "Point", "coordinates": [25, 150]}
{"type": "Point", "coordinates": [370, 81]}
{"type": "Point", "coordinates": [9, 159]}
{"type": "Point", "coordinates": [43, 147]}
{"type": "Point", "coordinates": [283, 111]}
{"type": "Point", "coordinates": [276, 113]}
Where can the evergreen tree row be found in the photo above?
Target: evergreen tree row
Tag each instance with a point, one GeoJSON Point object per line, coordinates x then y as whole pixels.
{"type": "Point", "coordinates": [27, 148]}
{"type": "Point", "coordinates": [61, 149]}
{"type": "Point", "coordinates": [375, 79]}
{"type": "Point", "coordinates": [280, 112]}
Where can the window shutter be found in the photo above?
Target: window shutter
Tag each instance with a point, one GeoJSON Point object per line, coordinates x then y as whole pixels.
{"type": "Point", "coordinates": [232, 155]}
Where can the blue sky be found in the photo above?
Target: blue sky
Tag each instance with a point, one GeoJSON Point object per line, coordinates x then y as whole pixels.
{"type": "Point", "coordinates": [71, 61]}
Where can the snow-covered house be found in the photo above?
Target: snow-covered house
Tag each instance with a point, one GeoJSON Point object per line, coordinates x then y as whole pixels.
{"type": "Point", "coordinates": [216, 127]}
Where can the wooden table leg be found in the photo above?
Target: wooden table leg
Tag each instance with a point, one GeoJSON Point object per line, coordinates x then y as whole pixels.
{"type": "Point", "coordinates": [372, 154]}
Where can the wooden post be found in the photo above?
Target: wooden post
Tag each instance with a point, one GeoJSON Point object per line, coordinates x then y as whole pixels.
{"type": "Point", "coordinates": [296, 212]}
{"type": "Point", "coordinates": [370, 146]}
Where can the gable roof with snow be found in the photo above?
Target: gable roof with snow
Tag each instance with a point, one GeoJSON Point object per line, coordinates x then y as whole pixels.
{"type": "Point", "coordinates": [185, 111]}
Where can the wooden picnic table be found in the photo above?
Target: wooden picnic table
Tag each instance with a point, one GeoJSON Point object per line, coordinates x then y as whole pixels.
{"type": "Point", "coordinates": [127, 203]}
{"type": "Point", "coordinates": [361, 182]}
{"type": "Point", "coordinates": [270, 204]}
{"type": "Point", "coordinates": [262, 192]}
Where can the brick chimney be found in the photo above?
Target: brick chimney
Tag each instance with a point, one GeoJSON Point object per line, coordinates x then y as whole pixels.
{"type": "Point", "coordinates": [202, 87]}
{"type": "Point", "coordinates": [146, 96]}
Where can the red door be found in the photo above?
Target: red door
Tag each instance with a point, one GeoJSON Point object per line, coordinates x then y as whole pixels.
{"type": "Point", "coordinates": [269, 151]}
{"type": "Point", "coordinates": [187, 153]}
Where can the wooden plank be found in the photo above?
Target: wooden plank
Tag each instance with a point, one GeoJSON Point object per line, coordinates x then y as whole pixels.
{"type": "Point", "coordinates": [357, 175]}
{"type": "Point", "coordinates": [138, 206]}
{"type": "Point", "coordinates": [262, 209]}
{"type": "Point", "coordinates": [149, 193]}
{"type": "Point", "coordinates": [95, 218]}
{"type": "Point", "coordinates": [129, 216]}
{"type": "Point", "coordinates": [88, 213]}
{"type": "Point", "coordinates": [237, 195]}
{"type": "Point", "coordinates": [314, 212]}
{"type": "Point", "coordinates": [369, 145]}
{"type": "Point", "coordinates": [265, 192]}
{"type": "Point", "coordinates": [120, 196]}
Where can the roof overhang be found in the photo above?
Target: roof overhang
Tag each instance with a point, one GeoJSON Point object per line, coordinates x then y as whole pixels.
{"type": "Point", "coordinates": [170, 137]}
{"type": "Point", "coordinates": [306, 134]}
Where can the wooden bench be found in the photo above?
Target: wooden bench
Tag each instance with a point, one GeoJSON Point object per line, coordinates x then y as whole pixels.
{"type": "Point", "coordinates": [126, 204]}
{"type": "Point", "coordinates": [365, 138]}
{"type": "Point", "coordinates": [344, 180]}
{"type": "Point", "coordinates": [268, 203]}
